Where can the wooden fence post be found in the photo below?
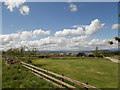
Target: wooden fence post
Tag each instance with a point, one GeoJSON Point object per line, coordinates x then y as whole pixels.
{"type": "Point", "coordinates": [62, 78]}
{"type": "Point", "coordinates": [85, 87]}
{"type": "Point", "coordinates": [44, 69]}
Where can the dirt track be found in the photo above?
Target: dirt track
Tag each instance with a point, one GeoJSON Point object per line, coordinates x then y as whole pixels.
{"type": "Point", "coordinates": [113, 60]}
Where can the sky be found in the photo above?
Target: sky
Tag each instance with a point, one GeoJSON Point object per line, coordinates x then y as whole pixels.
{"type": "Point", "coordinates": [59, 26]}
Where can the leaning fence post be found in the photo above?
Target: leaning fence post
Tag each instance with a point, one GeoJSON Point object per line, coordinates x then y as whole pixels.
{"type": "Point", "coordinates": [85, 87]}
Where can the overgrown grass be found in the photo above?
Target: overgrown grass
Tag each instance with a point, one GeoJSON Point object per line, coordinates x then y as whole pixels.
{"type": "Point", "coordinates": [16, 76]}
{"type": "Point", "coordinates": [98, 72]}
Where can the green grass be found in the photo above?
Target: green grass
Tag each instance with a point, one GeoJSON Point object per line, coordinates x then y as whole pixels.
{"type": "Point", "coordinates": [116, 57]}
{"type": "Point", "coordinates": [16, 76]}
{"type": "Point", "coordinates": [98, 72]}
{"type": "Point", "coordinates": [0, 72]}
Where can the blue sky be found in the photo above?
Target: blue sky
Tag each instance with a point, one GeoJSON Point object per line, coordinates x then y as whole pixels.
{"type": "Point", "coordinates": [56, 16]}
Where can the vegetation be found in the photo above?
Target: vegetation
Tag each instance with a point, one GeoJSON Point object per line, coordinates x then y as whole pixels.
{"type": "Point", "coordinates": [96, 53]}
{"type": "Point", "coordinates": [116, 57]}
{"type": "Point", "coordinates": [119, 14]}
{"type": "Point", "coordinates": [0, 73]}
{"type": "Point", "coordinates": [116, 38]}
{"type": "Point", "coordinates": [110, 42]}
{"type": "Point", "coordinates": [16, 76]}
{"type": "Point", "coordinates": [98, 72]}
{"type": "Point", "coordinates": [111, 54]}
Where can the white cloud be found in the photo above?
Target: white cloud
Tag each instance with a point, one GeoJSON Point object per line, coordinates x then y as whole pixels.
{"type": "Point", "coordinates": [98, 42]}
{"type": "Point", "coordinates": [6, 39]}
{"type": "Point", "coordinates": [103, 44]}
{"type": "Point", "coordinates": [70, 32]}
{"type": "Point", "coordinates": [73, 7]}
{"type": "Point", "coordinates": [93, 27]}
{"type": "Point", "coordinates": [115, 26]}
{"type": "Point", "coordinates": [24, 10]}
{"type": "Point", "coordinates": [49, 43]}
{"type": "Point", "coordinates": [69, 1]}
{"type": "Point", "coordinates": [62, 43]}
{"type": "Point", "coordinates": [11, 4]}
{"type": "Point", "coordinates": [82, 29]}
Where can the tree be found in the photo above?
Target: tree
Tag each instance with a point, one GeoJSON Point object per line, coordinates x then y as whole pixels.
{"type": "Point", "coordinates": [96, 52]}
{"type": "Point", "coordinates": [117, 39]}
{"type": "Point", "coordinates": [119, 14]}
{"type": "Point", "coordinates": [110, 42]}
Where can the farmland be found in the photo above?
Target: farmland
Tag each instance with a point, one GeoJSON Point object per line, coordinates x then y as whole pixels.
{"type": "Point", "coordinates": [97, 72]}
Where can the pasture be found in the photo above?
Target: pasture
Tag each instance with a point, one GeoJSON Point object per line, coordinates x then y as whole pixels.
{"type": "Point", "coordinates": [98, 72]}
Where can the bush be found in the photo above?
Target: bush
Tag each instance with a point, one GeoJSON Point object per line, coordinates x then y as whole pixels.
{"type": "Point", "coordinates": [96, 54]}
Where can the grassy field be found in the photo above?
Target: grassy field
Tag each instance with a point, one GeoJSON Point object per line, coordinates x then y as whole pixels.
{"type": "Point", "coordinates": [98, 72]}
{"type": "Point", "coordinates": [16, 76]}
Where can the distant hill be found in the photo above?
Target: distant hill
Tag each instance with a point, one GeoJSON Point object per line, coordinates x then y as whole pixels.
{"type": "Point", "coordinates": [57, 52]}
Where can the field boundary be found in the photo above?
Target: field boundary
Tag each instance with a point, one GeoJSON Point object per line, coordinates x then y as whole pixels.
{"type": "Point", "coordinates": [63, 83]}
{"type": "Point", "coordinates": [45, 73]}
{"type": "Point", "coordinates": [47, 80]}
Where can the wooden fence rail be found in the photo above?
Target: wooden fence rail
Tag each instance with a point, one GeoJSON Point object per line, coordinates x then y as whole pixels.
{"type": "Point", "coordinates": [61, 76]}
{"type": "Point", "coordinates": [59, 81]}
{"type": "Point", "coordinates": [47, 80]}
